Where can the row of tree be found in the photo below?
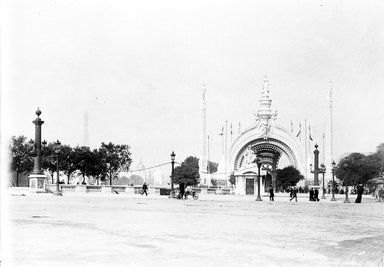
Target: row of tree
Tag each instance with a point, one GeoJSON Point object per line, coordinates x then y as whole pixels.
{"type": "Point", "coordinates": [357, 168]}
{"type": "Point", "coordinates": [105, 162]}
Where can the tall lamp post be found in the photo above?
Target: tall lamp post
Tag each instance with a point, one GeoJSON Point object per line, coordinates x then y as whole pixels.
{"type": "Point", "coordinates": [258, 162]}
{"type": "Point", "coordinates": [37, 177]}
{"type": "Point", "coordinates": [316, 169]}
{"type": "Point", "coordinates": [173, 155]}
{"type": "Point", "coordinates": [57, 152]}
{"type": "Point", "coordinates": [346, 165]}
{"type": "Point", "coordinates": [322, 170]}
{"type": "Point", "coordinates": [333, 181]}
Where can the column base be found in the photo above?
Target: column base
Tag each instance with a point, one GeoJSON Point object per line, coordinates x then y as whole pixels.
{"type": "Point", "coordinates": [37, 183]}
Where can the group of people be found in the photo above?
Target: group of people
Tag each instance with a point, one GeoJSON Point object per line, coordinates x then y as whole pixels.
{"type": "Point", "coordinates": [313, 194]}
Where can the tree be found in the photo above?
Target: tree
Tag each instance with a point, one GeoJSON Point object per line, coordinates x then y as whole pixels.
{"type": "Point", "coordinates": [289, 176]}
{"type": "Point", "coordinates": [212, 166]}
{"type": "Point", "coordinates": [380, 155]}
{"type": "Point", "coordinates": [117, 159]}
{"type": "Point", "coordinates": [187, 172]}
{"type": "Point", "coordinates": [357, 168]}
{"type": "Point", "coordinates": [67, 160]}
{"type": "Point", "coordinates": [97, 166]}
{"type": "Point", "coordinates": [48, 158]}
{"type": "Point", "coordinates": [21, 155]}
{"type": "Point", "coordinates": [83, 160]}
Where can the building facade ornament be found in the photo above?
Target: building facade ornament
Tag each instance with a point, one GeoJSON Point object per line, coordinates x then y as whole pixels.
{"type": "Point", "coordinates": [267, 140]}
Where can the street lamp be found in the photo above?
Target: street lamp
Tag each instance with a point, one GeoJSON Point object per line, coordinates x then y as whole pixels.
{"type": "Point", "coordinates": [57, 152]}
{"type": "Point", "coordinates": [346, 200]}
{"type": "Point", "coordinates": [333, 181]}
{"type": "Point", "coordinates": [173, 155]}
{"type": "Point", "coordinates": [258, 162]}
{"type": "Point", "coordinates": [322, 170]}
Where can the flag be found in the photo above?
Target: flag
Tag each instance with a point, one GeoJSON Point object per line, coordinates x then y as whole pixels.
{"type": "Point", "coordinates": [310, 137]}
{"type": "Point", "coordinates": [299, 133]}
{"type": "Point", "coordinates": [222, 131]}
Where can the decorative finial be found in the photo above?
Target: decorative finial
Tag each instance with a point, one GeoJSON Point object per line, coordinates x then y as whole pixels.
{"type": "Point", "coordinates": [316, 146]}
{"type": "Point", "coordinates": [204, 91]}
{"type": "Point", "coordinates": [38, 112]}
{"type": "Point", "coordinates": [265, 89]}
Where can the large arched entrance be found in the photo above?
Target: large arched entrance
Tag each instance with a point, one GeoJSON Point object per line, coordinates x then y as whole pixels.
{"type": "Point", "coordinates": [267, 140]}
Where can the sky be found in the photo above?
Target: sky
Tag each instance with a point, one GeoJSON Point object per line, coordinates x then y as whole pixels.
{"type": "Point", "coordinates": [137, 69]}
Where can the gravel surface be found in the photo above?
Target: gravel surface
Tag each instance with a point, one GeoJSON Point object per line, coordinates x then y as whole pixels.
{"type": "Point", "coordinates": [134, 230]}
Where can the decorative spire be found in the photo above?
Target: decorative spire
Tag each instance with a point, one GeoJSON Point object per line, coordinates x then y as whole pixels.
{"type": "Point", "coordinates": [265, 90]}
{"type": "Point", "coordinates": [265, 111]}
{"type": "Point", "coordinates": [264, 115]}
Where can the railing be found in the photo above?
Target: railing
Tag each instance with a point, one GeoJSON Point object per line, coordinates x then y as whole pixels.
{"type": "Point", "coordinates": [68, 187]}
{"type": "Point", "coordinates": [119, 188]}
{"type": "Point", "coordinates": [211, 191]}
{"type": "Point", "coordinates": [225, 191]}
{"type": "Point", "coordinates": [136, 189]}
{"type": "Point", "coordinates": [94, 188]}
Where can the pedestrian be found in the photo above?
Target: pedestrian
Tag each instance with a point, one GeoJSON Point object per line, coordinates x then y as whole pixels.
{"type": "Point", "coordinates": [271, 194]}
{"type": "Point", "coordinates": [181, 190]}
{"type": "Point", "coordinates": [360, 191]}
{"type": "Point", "coordinates": [145, 188]}
{"type": "Point", "coordinates": [311, 195]}
{"type": "Point", "coordinates": [316, 195]}
{"type": "Point", "coordinates": [293, 194]}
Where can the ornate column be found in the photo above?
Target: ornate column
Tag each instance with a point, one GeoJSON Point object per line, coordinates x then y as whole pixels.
{"type": "Point", "coordinates": [37, 178]}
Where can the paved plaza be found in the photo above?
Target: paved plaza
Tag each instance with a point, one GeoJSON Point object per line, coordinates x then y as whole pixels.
{"type": "Point", "coordinates": [134, 230]}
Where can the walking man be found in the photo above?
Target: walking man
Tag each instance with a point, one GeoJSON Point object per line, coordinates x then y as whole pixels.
{"type": "Point", "coordinates": [145, 188]}
{"type": "Point", "coordinates": [311, 195]}
{"type": "Point", "coordinates": [293, 194]}
{"type": "Point", "coordinates": [271, 194]}
{"type": "Point", "coordinates": [316, 195]}
{"type": "Point", "coordinates": [182, 190]}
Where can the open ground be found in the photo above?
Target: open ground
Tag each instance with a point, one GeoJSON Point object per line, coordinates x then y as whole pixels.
{"type": "Point", "coordinates": [134, 230]}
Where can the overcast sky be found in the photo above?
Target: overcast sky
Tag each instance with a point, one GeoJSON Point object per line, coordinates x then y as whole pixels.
{"type": "Point", "coordinates": [137, 69]}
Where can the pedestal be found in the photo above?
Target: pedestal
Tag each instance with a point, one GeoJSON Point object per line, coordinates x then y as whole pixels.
{"type": "Point", "coordinates": [37, 183]}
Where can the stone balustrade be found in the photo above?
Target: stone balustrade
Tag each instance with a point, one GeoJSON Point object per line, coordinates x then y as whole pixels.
{"type": "Point", "coordinates": [124, 189]}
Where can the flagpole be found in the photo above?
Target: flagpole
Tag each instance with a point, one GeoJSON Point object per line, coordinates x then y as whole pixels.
{"type": "Point", "coordinates": [309, 143]}
{"type": "Point", "coordinates": [222, 139]}
{"type": "Point", "coordinates": [208, 168]}
{"type": "Point", "coordinates": [225, 157]}
{"type": "Point", "coordinates": [323, 148]}
{"type": "Point", "coordinates": [306, 158]}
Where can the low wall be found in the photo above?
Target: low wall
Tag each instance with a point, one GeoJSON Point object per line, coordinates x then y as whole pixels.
{"type": "Point", "coordinates": [124, 189]}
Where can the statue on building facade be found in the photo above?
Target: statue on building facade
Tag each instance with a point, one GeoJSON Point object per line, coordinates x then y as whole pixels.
{"type": "Point", "coordinates": [249, 156]}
